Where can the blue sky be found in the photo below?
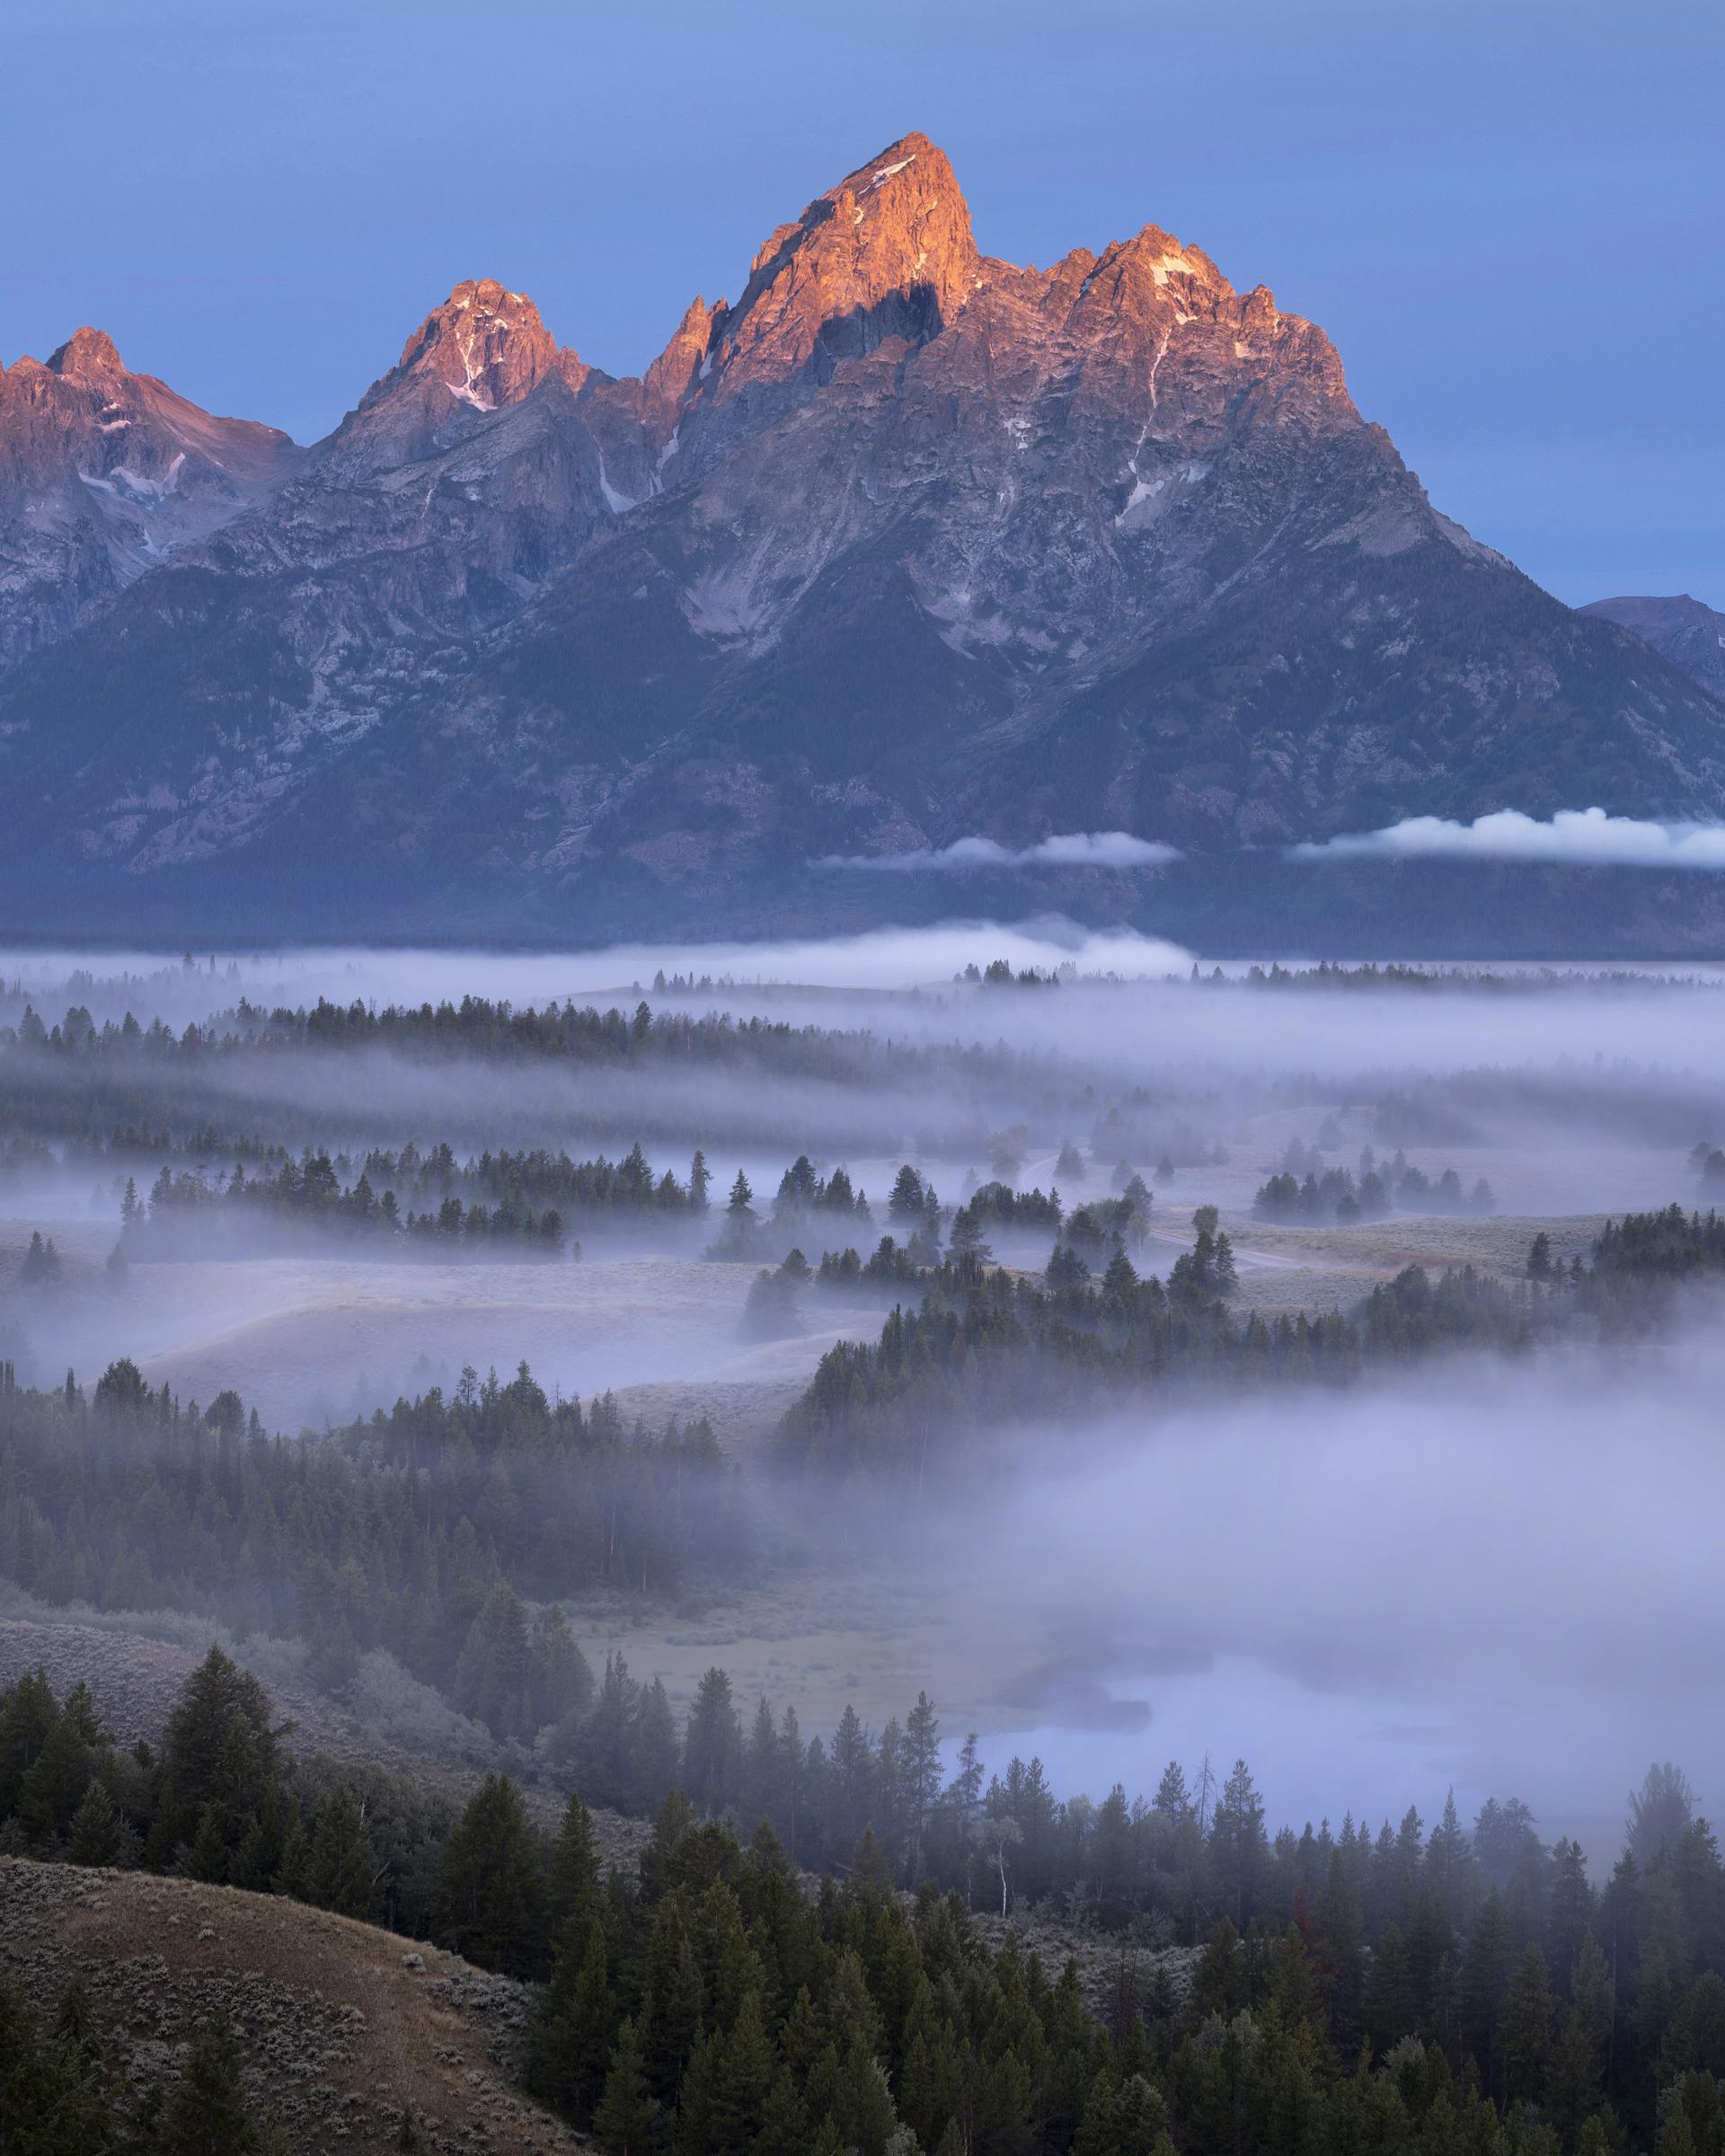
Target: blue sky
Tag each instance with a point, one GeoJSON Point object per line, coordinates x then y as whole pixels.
{"type": "Point", "coordinates": [1508, 216]}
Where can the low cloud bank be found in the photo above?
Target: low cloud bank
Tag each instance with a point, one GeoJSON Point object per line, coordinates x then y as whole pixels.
{"type": "Point", "coordinates": [1548, 1643]}
{"type": "Point", "coordinates": [1587, 837]}
{"type": "Point", "coordinates": [1063, 850]}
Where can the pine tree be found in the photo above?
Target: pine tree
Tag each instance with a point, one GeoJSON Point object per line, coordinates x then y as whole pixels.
{"type": "Point", "coordinates": [28, 1713]}
{"type": "Point", "coordinates": [655, 1752]}
{"type": "Point", "coordinates": [921, 1775]}
{"type": "Point", "coordinates": [99, 1835]}
{"type": "Point", "coordinates": [487, 1901]}
{"type": "Point", "coordinates": [576, 2021]}
{"type": "Point", "coordinates": [54, 1788]}
{"type": "Point", "coordinates": [1486, 1973]}
{"type": "Point", "coordinates": [1579, 2063]}
{"type": "Point", "coordinates": [1237, 1846]}
{"type": "Point", "coordinates": [1525, 2032]}
{"type": "Point", "coordinates": [607, 1750]}
{"type": "Point", "coordinates": [206, 2115]}
{"type": "Point", "coordinates": [207, 1858]}
{"type": "Point", "coordinates": [560, 1678]}
{"type": "Point", "coordinates": [219, 1753]}
{"type": "Point", "coordinates": [341, 1869]}
{"type": "Point", "coordinates": [711, 1744]}
{"type": "Point", "coordinates": [624, 2122]}
{"type": "Point", "coordinates": [1389, 1992]}
{"type": "Point", "coordinates": [673, 2004]}
{"type": "Point", "coordinates": [572, 1873]}
{"type": "Point", "coordinates": [741, 2079]}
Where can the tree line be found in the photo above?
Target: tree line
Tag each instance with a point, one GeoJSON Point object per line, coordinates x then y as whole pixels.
{"type": "Point", "coordinates": [413, 1532]}
{"type": "Point", "coordinates": [988, 1349]}
{"type": "Point", "coordinates": [1468, 1991]}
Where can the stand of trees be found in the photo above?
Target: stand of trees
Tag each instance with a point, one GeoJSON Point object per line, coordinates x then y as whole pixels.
{"type": "Point", "coordinates": [1303, 1188]}
{"type": "Point", "coordinates": [371, 1200]}
{"type": "Point", "coordinates": [418, 1531]}
{"type": "Point", "coordinates": [1441, 1988]}
{"type": "Point", "coordinates": [988, 1349]}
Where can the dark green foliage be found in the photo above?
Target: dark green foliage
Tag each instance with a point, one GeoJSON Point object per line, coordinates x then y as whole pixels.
{"type": "Point", "coordinates": [218, 1762]}
{"type": "Point", "coordinates": [341, 1869]}
{"type": "Point", "coordinates": [624, 2123]}
{"type": "Point", "coordinates": [488, 1899]}
{"type": "Point", "coordinates": [206, 2114]}
{"type": "Point", "coordinates": [53, 2097]}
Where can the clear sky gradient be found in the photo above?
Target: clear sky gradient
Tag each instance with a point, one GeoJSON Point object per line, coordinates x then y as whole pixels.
{"type": "Point", "coordinates": [1509, 217]}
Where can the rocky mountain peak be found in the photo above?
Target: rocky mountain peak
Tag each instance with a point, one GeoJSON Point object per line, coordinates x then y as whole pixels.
{"type": "Point", "coordinates": [482, 351]}
{"type": "Point", "coordinates": [1680, 628]}
{"type": "Point", "coordinates": [87, 355]}
{"type": "Point", "coordinates": [886, 253]}
{"type": "Point", "coordinates": [486, 346]}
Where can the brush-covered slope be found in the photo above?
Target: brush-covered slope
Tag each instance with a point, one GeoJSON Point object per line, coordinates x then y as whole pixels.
{"type": "Point", "coordinates": [342, 2025]}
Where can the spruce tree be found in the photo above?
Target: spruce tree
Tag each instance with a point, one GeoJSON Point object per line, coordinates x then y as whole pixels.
{"type": "Point", "coordinates": [342, 1870]}
{"type": "Point", "coordinates": [572, 1874]}
{"type": "Point", "coordinates": [577, 2020]}
{"type": "Point", "coordinates": [742, 2077]}
{"type": "Point", "coordinates": [655, 1753]}
{"type": "Point", "coordinates": [206, 2114]}
{"type": "Point", "coordinates": [487, 1901]}
{"type": "Point", "coordinates": [98, 1834]}
{"type": "Point", "coordinates": [219, 1752]}
{"type": "Point", "coordinates": [625, 2120]}
{"type": "Point", "coordinates": [1578, 2062]}
{"type": "Point", "coordinates": [54, 1788]}
{"type": "Point", "coordinates": [1525, 2032]}
{"type": "Point", "coordinates": [711, 1743]}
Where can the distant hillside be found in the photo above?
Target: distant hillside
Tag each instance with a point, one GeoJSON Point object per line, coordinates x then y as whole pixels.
{"type": "Point", "coordinates": [1681, 629]}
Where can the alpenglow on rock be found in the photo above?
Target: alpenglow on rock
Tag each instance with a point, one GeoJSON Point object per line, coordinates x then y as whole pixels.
{"type": "Point", "coordinates": [904, 545]}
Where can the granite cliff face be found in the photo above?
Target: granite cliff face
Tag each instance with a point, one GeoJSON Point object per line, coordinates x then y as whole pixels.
{"type": "Point", "coordinates": [904, 544]}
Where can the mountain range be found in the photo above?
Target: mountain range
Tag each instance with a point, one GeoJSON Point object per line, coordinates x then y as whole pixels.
{"type": "Point", "coordinates": [903, 545]}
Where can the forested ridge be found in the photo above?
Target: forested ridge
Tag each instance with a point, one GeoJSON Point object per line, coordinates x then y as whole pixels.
{"type": "Point", "coordinates": [416, 1532]}
{"type": "Point", "coordinates": [1439, 1989]}
{"type": "Point", "coordinates": [990, 1348]}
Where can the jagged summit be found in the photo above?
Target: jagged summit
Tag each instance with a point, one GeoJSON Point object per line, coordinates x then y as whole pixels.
{"type": "Point", "coordinates": [484, 349]}
{"type": "Point", "coordinates": [87, 354]}
{"type": "Point", "coordinates": [886, 255]}
{"type": "Point", "coordinates": [105, 474]}
{"type": "Point", "coordinates": [486, 346]}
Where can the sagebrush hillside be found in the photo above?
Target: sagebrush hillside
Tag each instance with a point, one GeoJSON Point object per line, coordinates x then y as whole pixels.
{"type": "Point", "coordinates": [343, 2026]}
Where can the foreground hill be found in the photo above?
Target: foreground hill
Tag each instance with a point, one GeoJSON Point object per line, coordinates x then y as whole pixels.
{"type": "Point", "coordinates": [905, 544]}
{"type": "Point", "coordinates": [342, 2025]}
